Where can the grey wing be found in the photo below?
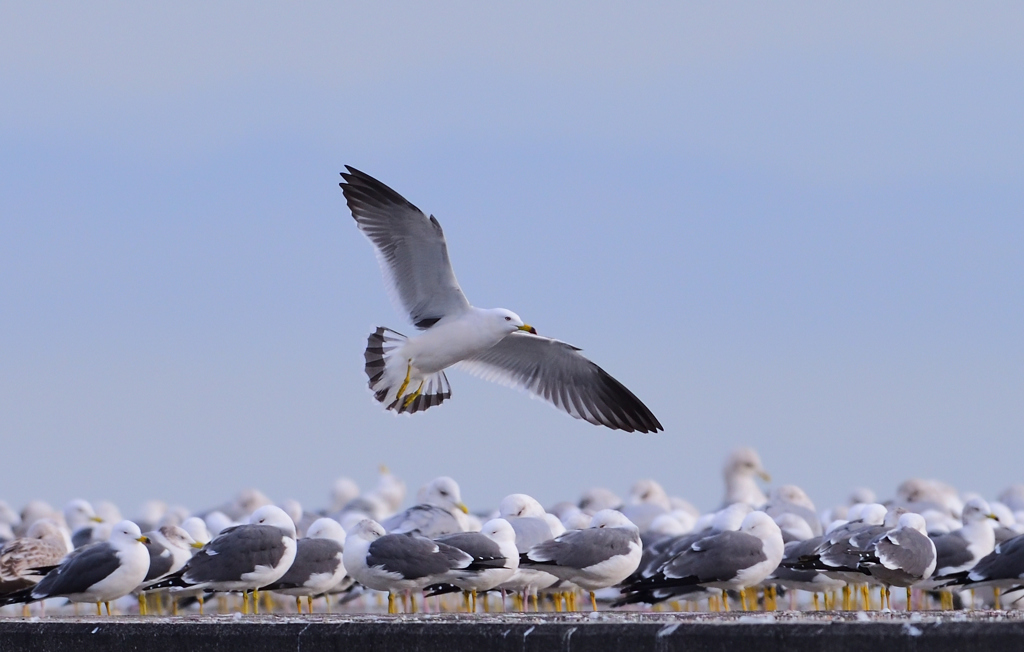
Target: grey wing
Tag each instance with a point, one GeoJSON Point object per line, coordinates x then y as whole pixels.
{"type": "Point", "coordinates": [717, 558]}
{"type": "Point", "coordinates": [427, 520]}
{"type": "Point", "coordinates": [234, 552]}
{"type": "Point", "coordinates": [414, 557]}
{"type": "Point", "coordinates": [558, 373]}
{"type": "Point", "coordinates": [583, 548]}
{"type": "Point", "coordinates": [410, 248]}
{"type": "Point", "coordinates": [77, 574]}
{"type": "Point", "coordinates": [311, 556]}
{"type": "Point", "coordinates": [1005, 562]}
{"type": "Point", "coordinates": [951, 552]}
{"type": "Point", "coordinates": [530, 531]}
{"type": "Point", "coordinates": [473, 544]}
{"type": "Point", "coordinates": [160, 560]}
{"type": "Point", "coordinates": [906, 550]}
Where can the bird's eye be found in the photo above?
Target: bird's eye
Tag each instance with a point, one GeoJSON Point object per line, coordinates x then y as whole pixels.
{"type": "Point", "coordinates": [507, 318]}
{"type": "Point", "coordinates": [444, 493]}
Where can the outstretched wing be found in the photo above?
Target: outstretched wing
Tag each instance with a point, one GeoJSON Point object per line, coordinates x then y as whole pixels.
{"type": "Point", "coordinates": [558, 373]}
{"type": "Point", "coordinates": [410, 248]}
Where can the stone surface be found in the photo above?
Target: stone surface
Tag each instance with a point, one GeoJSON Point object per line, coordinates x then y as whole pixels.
{"type": "Point", "coordinates": [522, 632]}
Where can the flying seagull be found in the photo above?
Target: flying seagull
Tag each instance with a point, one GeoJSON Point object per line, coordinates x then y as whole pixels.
{"type": "Point", "coordinates": [407, 373]}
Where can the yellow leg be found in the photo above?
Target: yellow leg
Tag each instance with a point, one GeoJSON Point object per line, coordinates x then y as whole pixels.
{"type": "Point", "coordinates": [255, 602]}
{"type": "Point", "coordinates": [200, 604]}
{"type": "Point", "coordinates": [245, 602]}
{"type": "Point", "coordinates": [593, 601]}
{"type": "Point", "coordinates": [412, 397]}
{"type": "Point", "coordinates": [817, 604]}
{"type": "Point", "coordinates": [536, 603]}
{"type": "Point", "coordinates": [473, 601]}
{"type": "Point", "coordinates": [405, 383]}
{"type": "Point", "coordinates": [743, 600]}
{"type": "Point", "coordinates": [309, 603]}
{"type": "Point", "coordinates": [972, 599]}
{"type": "Point", "coordinates": [412, 600]}
{"type": "Point", "coordinates": [298, 604]}
{"type": "Point", "coordinates": [142, 604]}
{"type": "Point", "coordinates": [995, 594]}
{"type": "Point", "coordinates": [107, 605]}
{"type": "Point", "coordinates": [910, 601]}
{"type": "Point", "coordinates": [725, 601]}
{"type": "Point", "coordinates": [99, 609]}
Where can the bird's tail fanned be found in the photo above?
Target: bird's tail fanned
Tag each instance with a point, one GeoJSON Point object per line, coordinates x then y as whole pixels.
{"type": "Point", "coordinates": [389, 376]}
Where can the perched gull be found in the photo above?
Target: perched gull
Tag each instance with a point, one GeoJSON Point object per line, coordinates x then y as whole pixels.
{"type": "Point", "coordinates": [98, 573]}
{"type": "Point", "coordinates": [595, 558]}
{"type": "Point", "coordinates": [243, 557]}
{"type": "Point", "coordinates": [318, 566]}
{"type": "Point", "coordinates": [730, 560]}
{"type": "Point", "coordinates": [1001, 569]}
{"type": "Point", "coordinates": [43, 545]}
{"type": "Point", "coordinates": [398, 562]}
{"type": "Point", "coordinates": [961, 549]}
{"type": "Point", "coordinates": [742, 465]}
{"type": "Point", "coordinates": [531, 526]}
{"type": "Point", "coordinates": [81, 519]}
{"type": "Point", "coordinates": [169, 549]}
{"type": "Point", "coordinates": [904, 556]}
{"type": "Point", "coordinates": [494, 553]}
{"type": "Point", "coordinates": [407, 374]}
{"type": "Point", "coordinates": [439, 512]}
{"type": "Point", "coordinates": [647, 501]}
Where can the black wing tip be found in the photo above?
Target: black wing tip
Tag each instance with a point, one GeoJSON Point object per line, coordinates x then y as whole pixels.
{"type": "Point", "coordinates": [624, 410]}
{"type": "Point", "coordinates": [363, 190]}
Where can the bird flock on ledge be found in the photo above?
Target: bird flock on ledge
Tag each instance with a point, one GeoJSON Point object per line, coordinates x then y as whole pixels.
{"type": "Point", "coordinates": [650, 551]}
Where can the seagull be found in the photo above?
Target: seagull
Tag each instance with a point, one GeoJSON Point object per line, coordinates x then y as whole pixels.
{"type": "Point", "coordinates": [494, 553]}
{"type": "Point", "coordinates": [99, 572]}
{"type": "Point", "coordinates": [595, 558]}
{"type": "Point", "coordinates": [962, 549]}
{"type": "Point", "coordinates": [407, 373]}
{"type": "Point", "coordinates": [43, 545]}
{"type": "Point", "coordinates": [440, 511]}
{"type": "Point", "coordinates": [169, 547]}
{"type": "Point", "coordinates": [398, 562]}
{"type": "Point", "coordinates": [318, 566]}
{"type": "Point", "coordinates": [243, 557]}
{"type": "Point", "coordinates": [733, 560]}
{"type": "Point", "coordinates": [903, 556]}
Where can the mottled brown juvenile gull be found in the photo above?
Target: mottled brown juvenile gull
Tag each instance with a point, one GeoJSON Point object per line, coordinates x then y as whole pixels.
{"type": "Point", "coordinates": [44, 545]}
{"type": "Point", "coordinates": [407, 374]}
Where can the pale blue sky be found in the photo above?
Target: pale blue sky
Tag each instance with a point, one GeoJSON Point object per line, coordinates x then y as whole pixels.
{"type": "Point", "coordinates": [797, 226]}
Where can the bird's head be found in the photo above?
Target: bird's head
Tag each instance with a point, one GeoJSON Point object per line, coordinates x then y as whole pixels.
{"type": "Point", "coordinates": [511, 322]}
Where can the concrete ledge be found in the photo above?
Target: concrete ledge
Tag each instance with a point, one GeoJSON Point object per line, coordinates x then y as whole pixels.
{"type": "Point", "coordinates": [520, 632]}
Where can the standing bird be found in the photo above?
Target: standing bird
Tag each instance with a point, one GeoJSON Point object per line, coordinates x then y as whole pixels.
{"type": "Point", "coordinates": [169, 549]}
{"type": "Point", "coordinates": [407, 374]}
{"type": "Point", "coordinates": [243, 557]}
{"type": "Point", "coordinates": [494, 553]}
{"type": "Point", "coordinates": [440, 511]}
{"type": "Point", "coordinates": [318, 566]}
{"type": "Point", "coordinates": [595, 558]}
{"type": "Point", "coordinates": [398, 562]}
{"type": "Point", "coordinates": [43, 545]}
{"type": "Point", "coordinates": [99, 572]}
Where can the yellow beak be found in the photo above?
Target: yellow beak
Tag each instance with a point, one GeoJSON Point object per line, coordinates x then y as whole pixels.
{"type": "Point", "coordinates": [143, 539]}
{"type": "Point", "coordinates": [197, 545]}
{"type": "Point", "coordinates": [764, 476]}
{"type": "Point", "coordinates": [462, 506]}
{"type": "Point", "coordinates": [528, 329]}
{"type": "Point", "coordinates": [992, 516]}
{"type": "Point", "coordinates": [95, 519]}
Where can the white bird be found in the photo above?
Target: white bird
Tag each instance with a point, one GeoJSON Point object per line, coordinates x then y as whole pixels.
{"type": "Point", "coordinates": [494, 553]}
{"type": "Point", "coordinates": [242, 558]}
{"type": "Point", "coordinates": [595, 558]}
{"type": "Point", "coordinates": [398, 562]}
{"type": "Point", "coordinates": [407, 374]}
{"type": "Point", "coordinates": [318, 567]}
{"type": "Point", "coordinates": [440, 511]}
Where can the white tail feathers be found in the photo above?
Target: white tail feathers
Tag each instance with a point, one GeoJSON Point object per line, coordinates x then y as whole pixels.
{"type": "Point", "coordinates": [388, 374]}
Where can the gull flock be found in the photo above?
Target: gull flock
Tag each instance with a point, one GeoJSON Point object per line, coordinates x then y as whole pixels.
{"type": "Point", "coordinates": [364, 553]}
